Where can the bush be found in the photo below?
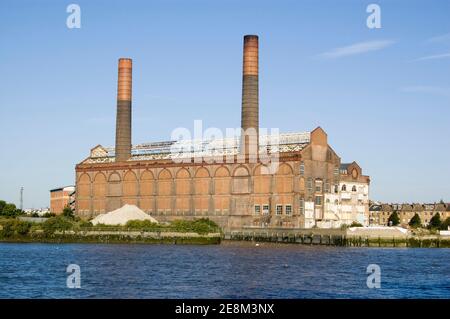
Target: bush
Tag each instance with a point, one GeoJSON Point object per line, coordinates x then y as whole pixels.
{"type": "Point", "coordinates": [53, 224]}
{"type": "Point", "coordinates": [22, 228]}
{"type": "Point", "coordinates": [200, 226]}
{"type": "Point", "coordinates": [48, 215]}
{"type": "Point", "coordinates": [14, 226]}
{"type": "Point", "coordinates": [142, 225]}
{"type": "Point", "coordinates": [85, 223]}
{"type": "Point", "coordinates": [7, 229]}
{"type": "Point", "coordinates": [356, 224]}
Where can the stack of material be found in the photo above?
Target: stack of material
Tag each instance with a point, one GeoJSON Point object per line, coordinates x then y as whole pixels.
{"type": "Point", "coordinates": [122, 215]}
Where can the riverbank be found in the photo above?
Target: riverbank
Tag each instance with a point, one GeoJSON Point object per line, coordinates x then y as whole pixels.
{"type": "Point", "coordinates": [117, 237]}
{"type": "Point", "coordinates": [72, 230]}
{"type": "Point", "coordinates": [341, 238]}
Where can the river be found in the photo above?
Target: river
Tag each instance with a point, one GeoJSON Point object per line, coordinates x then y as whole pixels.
{"type": "Point", "coordinates": [229, 270]}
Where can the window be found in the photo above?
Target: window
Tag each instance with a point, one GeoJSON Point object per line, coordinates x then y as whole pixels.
{"type": "Point", "coordinates": [319, 200]}
{"type": "Point", "coordinates": [279, 209]}
{"type": "Point", "coordinates": [302, 206]}
{"type": "Point", "coordinates": [336, 188]}
{"type": "Point", "coordinates": [318, 186]}
{"type": "Point", "coordinates": [302, 168]}
{"type": "Point", "coordinates": [257, 209]}
{"type": "Point", "coordinates": [354, 188]}
{"type": "Point", "coordinates": [344, 188]}
{"type": "Point", "coordinates": [309, 184]}
{"type": "Point", "coordinates": [336, 172]}
{"type": "Point", "coordinates": [327, 187]}
{"type": "Point", "coordinates": [265, 209]}
{"type": "Point", "coordinates": [288, 209]}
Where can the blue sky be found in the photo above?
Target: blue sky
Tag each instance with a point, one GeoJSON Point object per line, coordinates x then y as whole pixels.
{"type": "Point", "coordinates": [382, 95]}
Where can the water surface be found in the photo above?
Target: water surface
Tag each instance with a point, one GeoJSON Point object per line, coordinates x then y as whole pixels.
{"type": "Point", "coordinates": [231, 270]}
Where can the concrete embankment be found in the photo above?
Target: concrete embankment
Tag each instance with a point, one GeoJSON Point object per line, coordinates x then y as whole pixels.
{"type": "Point", "coordinates": [361, 237]}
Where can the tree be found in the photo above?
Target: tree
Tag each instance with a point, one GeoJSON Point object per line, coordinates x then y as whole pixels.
{"type": "Point", "coordinates": [10, 210]}
{"type": "Point", "coordinates": [393, 220]}
{"type": "Point", "coordinates": [53, 224]}
{"type": "Point", "coordinates": [68, 212]}
{"type": "Point", "coordinates": [445, 224]}
{"type": "Point", "coordinates": [2, 205]}
{"type": "Point", "coordinates": [415, 222]}
{"type": "Point", "coordinates": [435, 221]}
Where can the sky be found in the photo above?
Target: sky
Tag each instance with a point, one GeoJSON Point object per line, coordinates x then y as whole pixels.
{"type": "Point", "coordinates": [382, 94]}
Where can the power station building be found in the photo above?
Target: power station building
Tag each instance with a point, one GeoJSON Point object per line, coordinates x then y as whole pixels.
{"type": "Point", "coordinates": [229, 180]}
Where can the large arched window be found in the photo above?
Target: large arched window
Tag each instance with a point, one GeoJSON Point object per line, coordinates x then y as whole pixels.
{"type": "Point", "coordinates": [354, 188]}
{"type": "Point", "coordinates": [344, 188]}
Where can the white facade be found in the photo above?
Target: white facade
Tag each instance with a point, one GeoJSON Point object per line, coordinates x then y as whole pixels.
{"type": "Point", "coordinates": [350, 204]}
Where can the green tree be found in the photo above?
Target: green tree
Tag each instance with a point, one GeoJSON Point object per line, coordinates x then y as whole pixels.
{"type": "Point", "coordinates": [393, 220]}
{"type": "Point", "coordinates": [58, 223]}
{"type": "Point", "coordinates": [10, 210]}
{"type": "Point", "coordinates": [2, 205]}
{"type": "Point", "coordinates": [435, 221]}
{"type": "Point", "coordinates": [415, 222]}
{"type": "Point", "coordinates": [68, 212]}
{"type": "Point", "coordinates": [445, 224]}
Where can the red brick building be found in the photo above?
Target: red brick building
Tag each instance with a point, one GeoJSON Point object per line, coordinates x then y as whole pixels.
{"type": "Point", "coordinates": [60, 198]}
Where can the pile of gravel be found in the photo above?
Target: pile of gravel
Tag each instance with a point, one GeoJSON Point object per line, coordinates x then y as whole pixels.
{"type": "Point", "coordinates": [122, 215]}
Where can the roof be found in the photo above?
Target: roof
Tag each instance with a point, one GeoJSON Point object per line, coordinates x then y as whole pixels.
{"type": "Point", "coordinates": [411, 207]}
{"type": "Point", "coordinates": [273, 143]}
{"type": "Point", "coordinates": [64, 188]}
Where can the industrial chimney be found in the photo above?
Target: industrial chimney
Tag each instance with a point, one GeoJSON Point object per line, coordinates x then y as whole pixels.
{"type": "Point", "coordinates": [250, 104]}
{"type": "Point", "coordinates": [123, 120]}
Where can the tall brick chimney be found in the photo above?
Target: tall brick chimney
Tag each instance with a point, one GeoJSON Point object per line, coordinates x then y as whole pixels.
{"type": "Point", "coordinates": [250, 103]}
{"type": "Point", "coordinates": [123, 120]}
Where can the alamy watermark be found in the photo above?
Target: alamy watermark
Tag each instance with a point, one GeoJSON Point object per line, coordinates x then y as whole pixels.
{"type": "Point", "coordinates": [73, 21]}
{"type": "Point", "coordinates": [213, 146]}
{"type": "Point", "coordinates": [374, 19]}
{"type": "Point", "coordinates": [74, 278]}
{"type": "Point", "coordinates": [374, 278]}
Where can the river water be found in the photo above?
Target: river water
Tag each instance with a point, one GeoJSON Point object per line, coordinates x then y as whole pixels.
{"type": "Point", "coordinates": [230, 270]}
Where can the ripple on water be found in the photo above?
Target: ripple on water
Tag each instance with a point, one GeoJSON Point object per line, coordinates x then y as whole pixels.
{"type": "Point", "coordinates": [231, 270]}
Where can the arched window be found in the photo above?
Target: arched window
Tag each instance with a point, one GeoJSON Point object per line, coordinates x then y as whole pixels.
{"type": "Point", "coordinates": [354, 188]}
{"type": "Point", "coordinates": [344, 188]}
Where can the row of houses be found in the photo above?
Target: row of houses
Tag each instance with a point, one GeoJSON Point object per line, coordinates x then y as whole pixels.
{"type": "Point", "coordinates": [379, 213]}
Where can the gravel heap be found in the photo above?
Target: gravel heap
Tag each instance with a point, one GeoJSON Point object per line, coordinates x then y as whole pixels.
{"type": "Point", "coordinates": [122, 215]}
